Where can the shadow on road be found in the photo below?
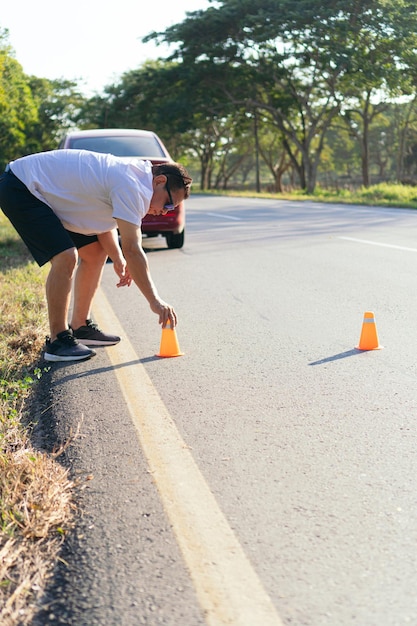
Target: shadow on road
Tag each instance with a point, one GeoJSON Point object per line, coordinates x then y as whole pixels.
{"type": "Point", "coordinates": [336, 357]}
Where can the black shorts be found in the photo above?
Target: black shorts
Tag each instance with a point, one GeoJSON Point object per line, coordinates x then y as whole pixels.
{"type": "Point", "coordinates": [38, 226]}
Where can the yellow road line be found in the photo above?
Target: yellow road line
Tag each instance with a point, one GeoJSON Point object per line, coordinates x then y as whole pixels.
{"type": "Point", "coordinates": [227, 587]}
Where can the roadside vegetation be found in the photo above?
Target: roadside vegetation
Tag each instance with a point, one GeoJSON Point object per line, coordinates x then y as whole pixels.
{"type": "Point", "coordinates": [384, 195]}
{"type": "Point", "coordinates": [35, 492]}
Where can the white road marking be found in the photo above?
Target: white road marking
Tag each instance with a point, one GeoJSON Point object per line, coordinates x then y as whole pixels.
{"type": "Point", "coordinates": [377, 243]}
{"type": "Point", "coordinates": [225, 217]}
{"type": "Point", "coordinates": [228, 589]}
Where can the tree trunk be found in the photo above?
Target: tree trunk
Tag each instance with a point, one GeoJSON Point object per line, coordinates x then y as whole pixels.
{"type": "Point", "coordinates": [366, 181]}
{"type": "Point", "coordinates": [365, 153]}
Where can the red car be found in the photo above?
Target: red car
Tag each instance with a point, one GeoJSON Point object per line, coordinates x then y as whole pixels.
{"type": "Point", "coordinates": [134, 143]}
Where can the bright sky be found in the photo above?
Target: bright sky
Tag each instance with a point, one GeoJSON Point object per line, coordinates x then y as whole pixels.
{"type": "Point", "coordinates": [91, 41]}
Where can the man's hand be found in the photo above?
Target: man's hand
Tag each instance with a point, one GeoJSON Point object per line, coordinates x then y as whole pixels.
{"type": "Point", "coordinates": [109, 241]}
{"type": "Point", "coordinates": [122, 271]}
{"type": "Point", "coordinates": [165, 312]}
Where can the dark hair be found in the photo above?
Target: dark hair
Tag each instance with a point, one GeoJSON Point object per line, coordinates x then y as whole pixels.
{"type": "Point", "coordinates": [176, 174]}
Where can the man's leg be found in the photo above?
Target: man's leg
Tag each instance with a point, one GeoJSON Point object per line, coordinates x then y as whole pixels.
{"type": "Point", "coordinates": [62, 346]}
{"type": "Point", "coordinates": [86, 282]}
{"type": "Point", "coordinates": [58, 290]}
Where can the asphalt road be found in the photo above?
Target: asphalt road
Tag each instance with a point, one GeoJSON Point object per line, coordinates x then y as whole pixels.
{"type": "Point", "coordinates": [297, 449]}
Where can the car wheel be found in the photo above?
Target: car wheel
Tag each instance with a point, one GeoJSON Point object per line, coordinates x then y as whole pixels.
{"type": "Point", "coordinates": [175, 240]}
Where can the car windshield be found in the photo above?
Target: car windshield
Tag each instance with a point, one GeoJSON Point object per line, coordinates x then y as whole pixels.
{"type": "Point", "coordinates": [120, 146]}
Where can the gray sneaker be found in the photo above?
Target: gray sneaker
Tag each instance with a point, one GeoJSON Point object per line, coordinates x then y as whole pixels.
{"type": "Point", "coordinates": [66, 348]}
{"type": "Point", "coordinates": [91, 335]}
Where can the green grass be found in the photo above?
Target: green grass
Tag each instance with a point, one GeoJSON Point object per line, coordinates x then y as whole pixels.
{"type": "Point", "coordinates": [385, 194]}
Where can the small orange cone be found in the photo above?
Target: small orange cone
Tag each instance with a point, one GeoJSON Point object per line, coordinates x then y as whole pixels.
{"type": "Point", "coordinates": [169, 342]}
{"type": "Point", "coordinates": [369, 335]}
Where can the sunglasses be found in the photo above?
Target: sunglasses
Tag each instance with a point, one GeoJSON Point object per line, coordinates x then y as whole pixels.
{"type": "Point", "coordinates": [171, 205]}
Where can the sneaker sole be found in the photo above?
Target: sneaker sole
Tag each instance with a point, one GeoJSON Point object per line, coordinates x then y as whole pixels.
{"type": "Point", "coordinates": [58, 357]}
{"type": "Point", "coordinates": [96, 342]}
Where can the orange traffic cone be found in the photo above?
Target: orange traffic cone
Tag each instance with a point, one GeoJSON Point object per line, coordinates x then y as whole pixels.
{"type": "Point", "coordinates": [169, 342]}
{"type": "Point", "coordinates": [369, 335]}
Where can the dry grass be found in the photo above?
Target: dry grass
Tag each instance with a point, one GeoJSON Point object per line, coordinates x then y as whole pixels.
{"type": "Point", "coordinates": [36, 506]}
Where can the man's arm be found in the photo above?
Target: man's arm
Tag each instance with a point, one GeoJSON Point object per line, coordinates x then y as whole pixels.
{"type": "Point", "coordinates": [138, 267]}
{"type": "Point", "coordinates": [109, 241]}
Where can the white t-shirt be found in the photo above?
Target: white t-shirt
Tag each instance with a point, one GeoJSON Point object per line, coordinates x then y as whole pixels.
{"type": "Point", "coordinates": [88, 190]}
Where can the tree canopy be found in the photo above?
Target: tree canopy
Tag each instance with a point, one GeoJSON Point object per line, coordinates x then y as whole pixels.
{"type": "Point", "coordinates": [303, 62]}
{"type": "Point", "coordinates": [293, 83]}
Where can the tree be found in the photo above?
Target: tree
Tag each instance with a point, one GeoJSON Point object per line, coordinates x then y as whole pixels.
{"type": "Point", "coordinates": [381, 65]}
{"type": "Point", "coordinates": [270, 60]}
{"type": "Point", "coordinates": [171, 99]}
{"type": "Point", "coordinates": [58, 104]}
{"type": "Point", "coordinates": [33, 111]}
{"type": "Point", "coordinates": [299, 60]}
{"type": "Point", "coordinates": [403, 118]}
{"type": "Point", "coordinates": [341, 164]}
{"type": "Point", "coordinates": [271, 149]}
{"type": "Point", "coordinates": [17, 107]}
